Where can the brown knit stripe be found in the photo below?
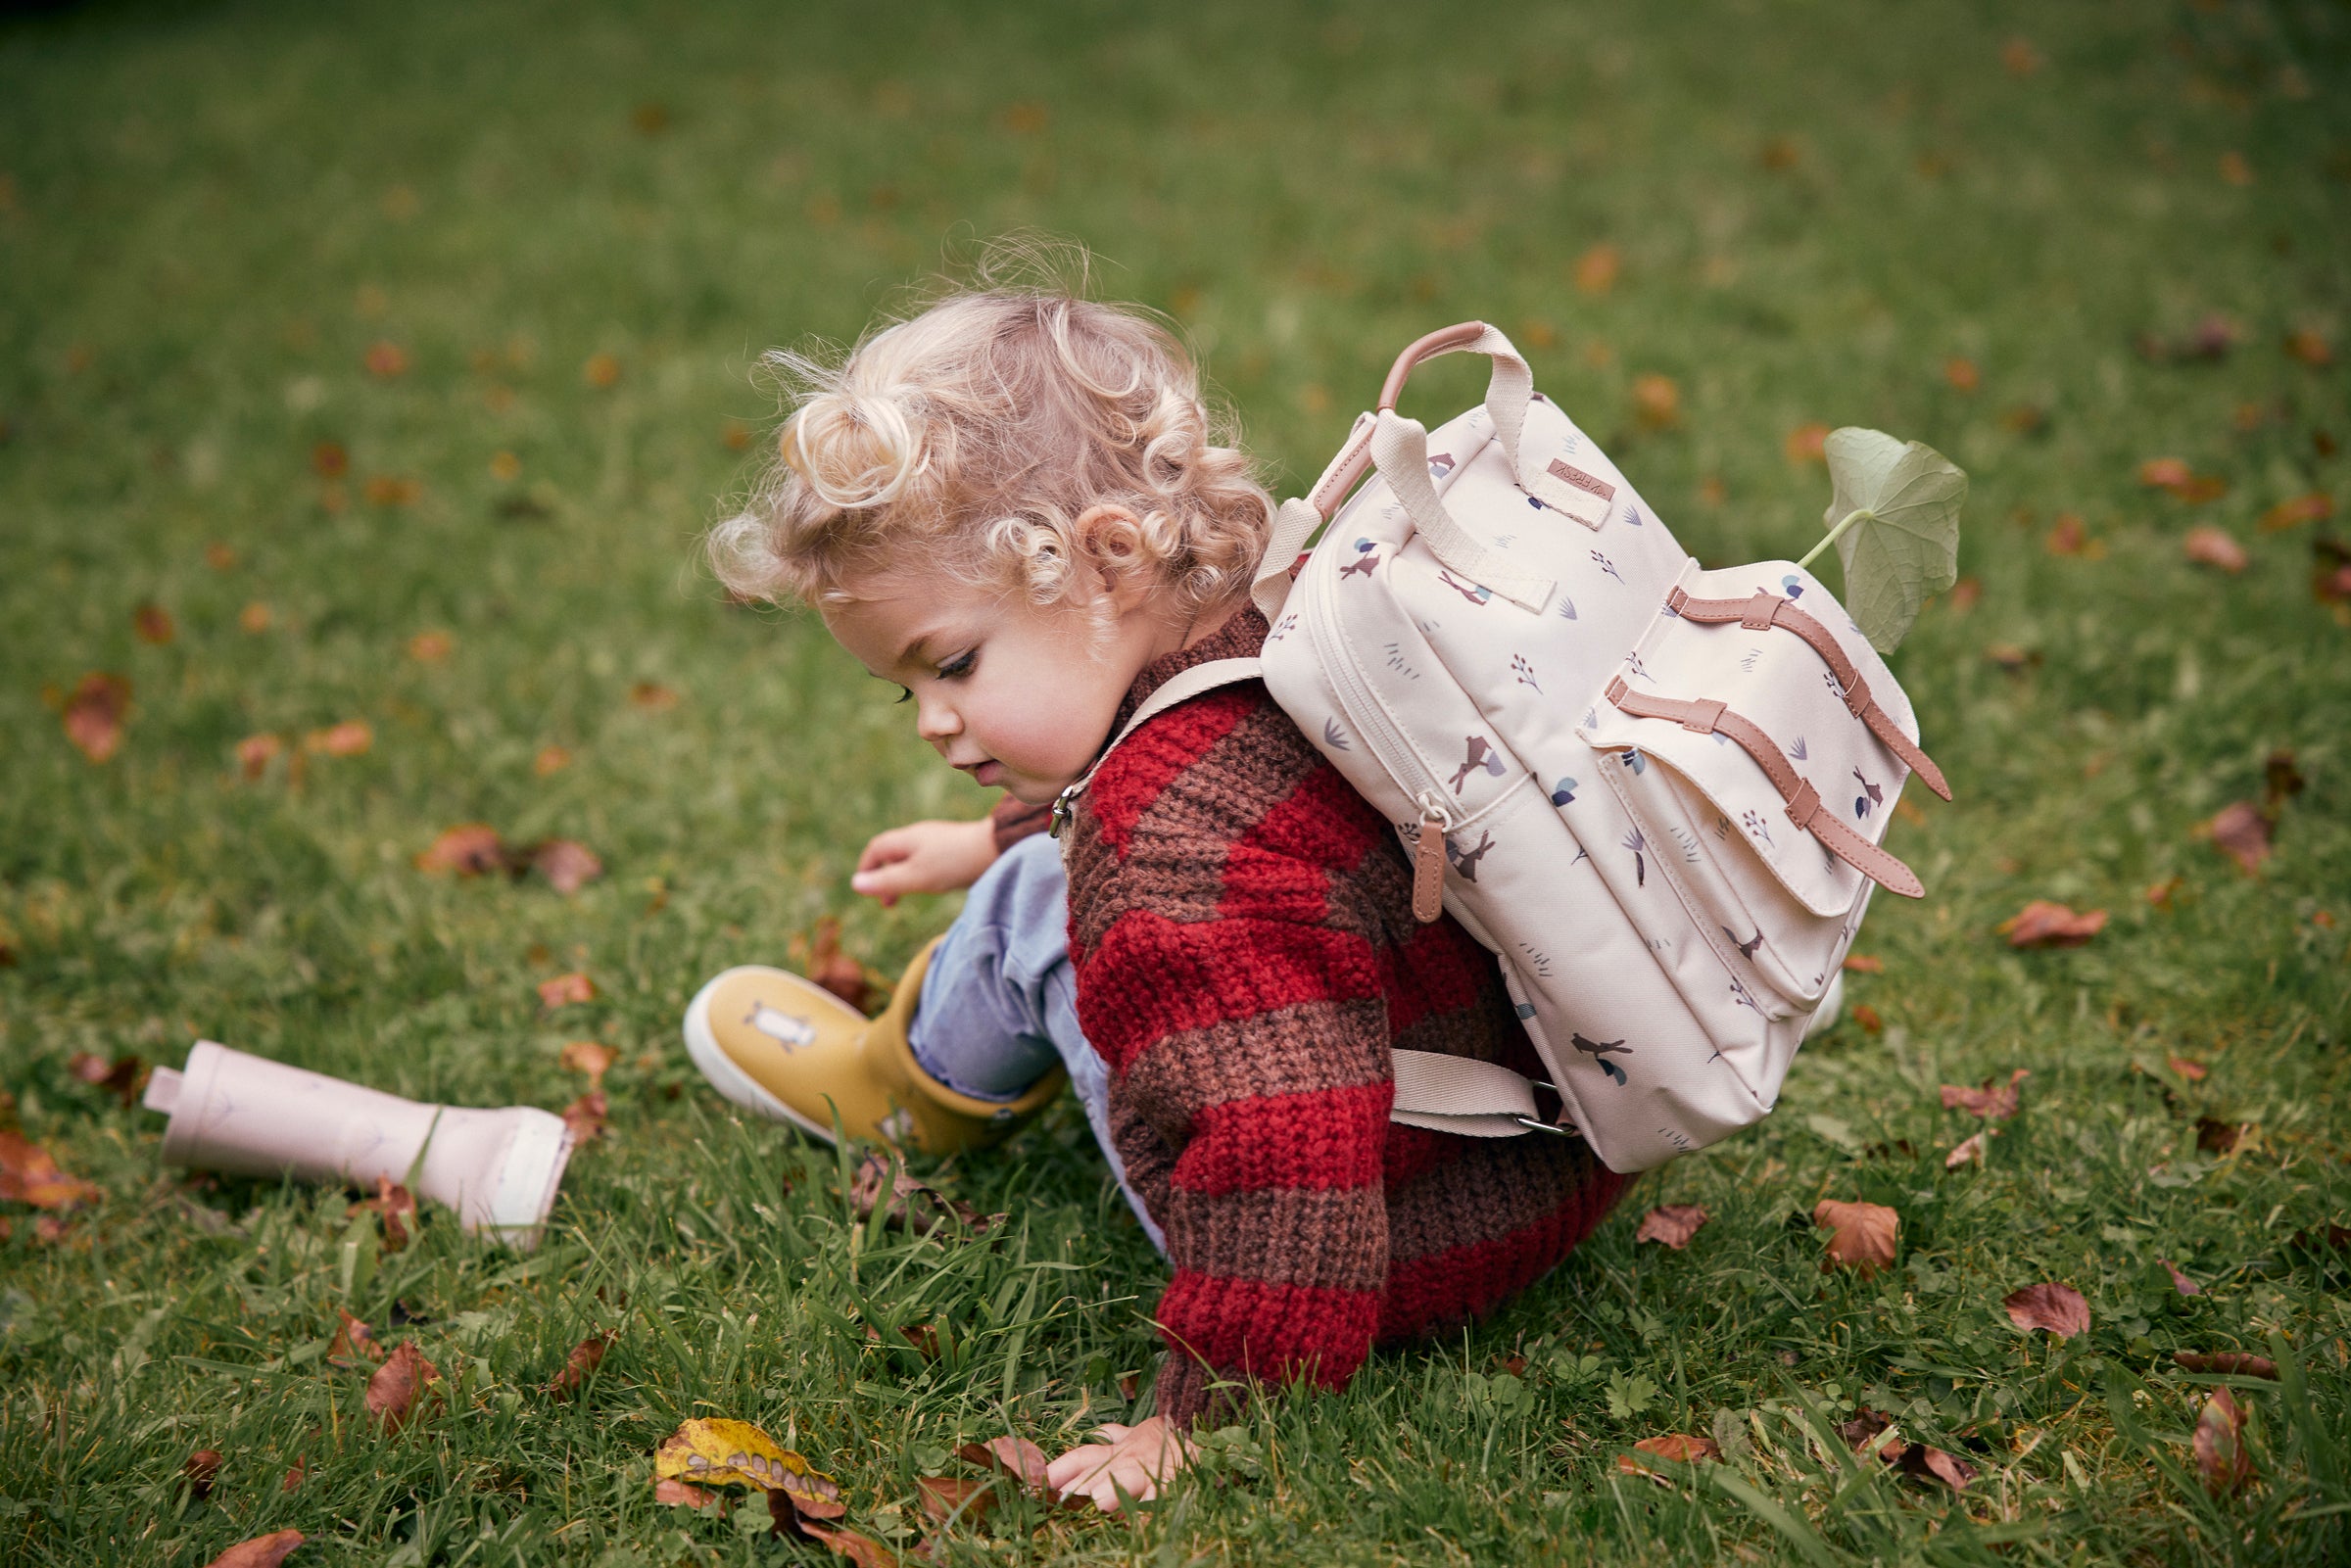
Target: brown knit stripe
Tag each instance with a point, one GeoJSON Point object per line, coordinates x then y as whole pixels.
{"type": "Point", "coordinates": [1291, 1050]}
{"type": "Point", "coordinates": [1259, 1235]}
{"type": "Point", "coordinates": [1498, 1185]}
{"type": "Point", "coordinates": [1460, 1031]}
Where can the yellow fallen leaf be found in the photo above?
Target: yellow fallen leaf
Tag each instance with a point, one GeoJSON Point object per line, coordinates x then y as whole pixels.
{"type": "Point", "coordinates": [716, 1452]}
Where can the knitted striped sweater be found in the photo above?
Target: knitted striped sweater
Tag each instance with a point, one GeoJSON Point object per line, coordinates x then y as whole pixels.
{"type": "Point", "coordinates": [1246, 957]}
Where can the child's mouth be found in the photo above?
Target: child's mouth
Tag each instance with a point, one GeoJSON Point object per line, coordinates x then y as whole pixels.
{"type": "Point", "coordinates": [990, 772]}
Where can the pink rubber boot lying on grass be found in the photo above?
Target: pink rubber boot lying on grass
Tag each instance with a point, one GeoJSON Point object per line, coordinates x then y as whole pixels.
{"type": "Point", "coordinates": [244, 1114]}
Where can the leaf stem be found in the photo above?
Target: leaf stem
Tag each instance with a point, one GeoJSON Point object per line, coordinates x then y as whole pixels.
{"type": "Point", "coordinates": [1832, 536]}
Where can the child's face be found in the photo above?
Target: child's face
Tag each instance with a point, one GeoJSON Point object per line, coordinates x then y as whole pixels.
{"type": "Point", "coordinates": [1018, 697]}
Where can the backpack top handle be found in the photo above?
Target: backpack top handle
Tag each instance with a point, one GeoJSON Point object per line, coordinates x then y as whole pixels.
{"type": "Point", "coordinates": [1445, 339]}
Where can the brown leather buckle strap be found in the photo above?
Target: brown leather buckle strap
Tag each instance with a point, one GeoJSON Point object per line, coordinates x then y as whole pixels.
{"type": "Point", "coordinates": [1767, 610]}
{"type": "Point", "coordinates": [1709, 716]}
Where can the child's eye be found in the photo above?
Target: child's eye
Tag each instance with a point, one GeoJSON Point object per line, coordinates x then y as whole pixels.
{"type": "Point", "coordinates": [960, 665]}
{"type": "Point", "coordinates": [906, 695]}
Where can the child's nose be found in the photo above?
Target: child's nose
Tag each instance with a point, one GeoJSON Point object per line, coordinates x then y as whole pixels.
{"type": "Point", "coordinates": [935, 720]}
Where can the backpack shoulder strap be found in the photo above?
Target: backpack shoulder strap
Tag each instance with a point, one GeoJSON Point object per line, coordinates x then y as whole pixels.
{"type": "Point", "coordinates": [1181, 688]}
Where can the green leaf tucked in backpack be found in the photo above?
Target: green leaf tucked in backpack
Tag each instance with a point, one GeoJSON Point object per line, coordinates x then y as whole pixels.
{"type": "Point", "coordinates": [1895, 520]}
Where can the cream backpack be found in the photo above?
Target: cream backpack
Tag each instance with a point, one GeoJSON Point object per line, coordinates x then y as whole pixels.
{"type": "Point", "coordinates": [1655, 792]}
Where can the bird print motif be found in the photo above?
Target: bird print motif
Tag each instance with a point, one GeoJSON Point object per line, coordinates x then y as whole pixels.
{"type": "Point", "coordinates": [1639, 845]}
{"type": "Point", "coordinates": [1747, 949]}
{"type": "Point", "coordinates": [1334, 736]}
{"type": "Point", "coordinates": [1871, 795]}
{"type": "Point", "coordinates": [1364, 563]}
{"type": "Point", "coordinates": [1563, 790]}
{"type": "Point", "coordinates": [1599, 1050]}
{"type": "Point", "coordinates": [1480, 753]}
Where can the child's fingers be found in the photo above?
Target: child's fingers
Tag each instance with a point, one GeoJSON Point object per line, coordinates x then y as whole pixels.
{"type": "Point", "coordinates": [884, 848]}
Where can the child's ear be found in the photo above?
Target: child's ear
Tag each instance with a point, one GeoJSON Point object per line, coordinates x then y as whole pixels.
{"type": "Point", "coordinates": [1112, 538]}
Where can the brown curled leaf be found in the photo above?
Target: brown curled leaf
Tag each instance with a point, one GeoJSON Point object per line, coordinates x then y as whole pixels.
{"type": "Point", "coordinates": [1993, 1103]}
{"type": "Point", "coordinates": [584, 1117]}
{"type": "Point", "coordinates": [946, 1497]}
{"type": "Point", "coordinates": [2057, 1309]}
{"type": "Point", "coordinates": [584, 1359]}
{"type": "Point", "coordinates": [93, 716]}
{"type": "Point", "coordinates": [2180, 1281]}
{"type": "Point", "coordinates": [680, 1495]}
{"type": "Point", "coordinates": [202, 1468]}
{"type": "Point", "coordinates": [1863, 1236]}
{"type": "Point", "coordinates": [29, 1174]}
{"type": "Point", "coordinates": [354, 1342]}
{"type": "Point", "coordinates": [2219, 1444]}
{"type": "Point", "coordinates": [1016, 1457]}
{"type": "Point", "coordinates": [1933, 1464]}
{"type": "Point", "coordinates": [395, 1388]}
{"type": "Point", "coordinates": [2042, 923]}
{"type": "Point", "coordinates": [1671, 1223]}
{"type": "Point", "coordinates": [262, 1551]}
{"type": "Point", "coordinates": [2235, 1363]}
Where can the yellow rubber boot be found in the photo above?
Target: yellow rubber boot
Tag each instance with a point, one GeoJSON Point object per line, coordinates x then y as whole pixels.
{"type": "Point", "coordinates": [780, 1045]}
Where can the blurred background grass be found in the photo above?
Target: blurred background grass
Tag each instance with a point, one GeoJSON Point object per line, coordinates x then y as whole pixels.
{"type": "Point", "coordinates": [323, 328]}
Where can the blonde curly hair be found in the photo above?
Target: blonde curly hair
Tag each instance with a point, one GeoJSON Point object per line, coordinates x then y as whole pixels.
{"type": "Point", "coordinates": [971, 435]}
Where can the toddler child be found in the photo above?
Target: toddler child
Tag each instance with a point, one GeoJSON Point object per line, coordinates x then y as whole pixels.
{"type": "Point", "coordinates": [1016, 506]}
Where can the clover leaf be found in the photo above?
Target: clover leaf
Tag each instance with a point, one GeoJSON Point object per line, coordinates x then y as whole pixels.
{"type": "Point", "coordinates": [1895, 520]}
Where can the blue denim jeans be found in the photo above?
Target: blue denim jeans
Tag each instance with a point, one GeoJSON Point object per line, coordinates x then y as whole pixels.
{"type": "Point", "coordinates": [999, 1005]}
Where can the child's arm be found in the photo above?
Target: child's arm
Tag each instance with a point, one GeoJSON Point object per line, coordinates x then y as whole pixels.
{"type": "Point", "coordinates": [925, 857]}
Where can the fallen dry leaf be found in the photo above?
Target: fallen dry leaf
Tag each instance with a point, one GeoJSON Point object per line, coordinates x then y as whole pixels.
{"type": "Point", "coordinates": [254, 618]}
{"type": "Point", "coordinates": [550, 759]}
{"type": "Point", "coordinates": [2180, 1281]}
{"type": "Point", "coordinates": [862, 1549]}
{"type": "Point", "coordinates": [1962, 374]}
{"type": "Point", "coordinates": [1675, 1445]}
{"type": "Point", "coordinates": [1933, 1464]}
{"type": "Point", "coordinates": [1860, 965]}
{"type": "Point", "coordinates": [353, 1340]}
{"type": "Point", "coordinates": [29, 1174]}
{"type": "Point", "coordinates": [584, 1359]}
{"type": "Point", "coordinates": [924, 1338]}
{"type": "Point", "coordinates": [328, 460]}
{"type": "Point", "coordinates": [469, 849]}
{"type": "Point", "coordinates": [219, 556]}
{"type": "Point", "coordinates": [912, 1204]}
{"type": "Point", "coordinates": [397, 1207]}
{"type": "Point", "coordinates": [2295, 510]}
{"type": "Point", "coordinates": [2165, 473]}
{"type": "Point", "coordinates": [2020, 58]}
{"type": "Point", "coordinates": [600, 370]}
{"type": "Point", "coordinates": [1016, 1457]}
{"type": "Point", "coordinates": [567, 863]}
{"type": "Point", "coordinates": [295, 1474]}
{"type": "Point", "coordinates": [584, 1117]}
{"type": "Point", "coordinates": [93, 717]}
{"type": "Point", "coordinates": [2217, 1137]}
{"type": "Point", "coordinates": [1671, 1223]}
{"type": "Point", "coordinates": [262, 1551]}
{"type": "Point", "coordinates": [122, 1077]}
{"type": "Point", "coordinates": [2235, 1363]}
{"type": "Point", "coordinates": [386, 359]}
{"type": "Point", "coordinates": [152, 623]}
{"type": "Point", "coordinates": [652, 697]}
{"type": "Point", "coordinates": [713, 1451]}
{"type": "Point", "coordinates": [591, 1057]}
{"type": "Point", "coordinates": [564, 990]}
{"type": "Point", "coordinates": [2192, 1071]}
{"type": "Point", "coordinates": [2160, 895]}
{"type": "Point", "coordinates": [1657, 402]}
{"type": "Point", "coordinates": [2042, 923]}
{"type": "Point", "coordinates": [834, 970]}
{"type": "Point", "coordinates": [202, 1467]}
{"type": "Point", "coordinates": [2309, 345]}
{"type": "Point", "coordinates": [2215, 547]}
{"type": "Point", "coordinates": [2057, 1309]}
{"type": "Point", "coordinates": [946, 1497]}
{"type": "Point", "coordinates": [1867, 1018]}
{"type": "Point", "coordinates": [430, 648]}
{"type": "Point", "coordinates": [256, 753]}
{"type": "Point", "coordinates": [1861, 1236]}
{"type": "Point", "coordinates": [680, 1495]}
{"type": "Point", "coordinates": [2220, 1445]}
{"type": "Point", "coordinates": [1991, 1103]}
{"type": "Point", "coordinates": [2067, 536]}
{"type": "Point", "coordinates": [1865, 1429]}
{"type": "Point", "coordinates": [1596, 269]}
{"type": "Point", "coordinates": [350, 739]}
{"type": "Point", "coordinates": [393, 1388]}
{"type": "Point", "coordinates": [2242, 832]}
{"type": "Point", "coordinates": [1968, 1151]}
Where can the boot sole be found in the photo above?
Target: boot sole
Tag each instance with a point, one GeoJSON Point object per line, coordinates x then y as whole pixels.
{"type": "Point", "coordinates": [729, 1080]}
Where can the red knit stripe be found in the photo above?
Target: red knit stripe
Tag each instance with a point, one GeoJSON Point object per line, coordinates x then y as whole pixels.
{"type": "Point", "coordinates": [1323, 822]}
{"type": "Point", "coordinates": [1267, 1330]}
{"type": "Point", "coordinates": [1438, 968]}
{"type": "Point", "coordinates": [1178, 975]}
{"type": "Point", "coordinates": [1327, 1138]}
{"type": "Point", "coordinates": [1155, 755]}
{"type": "Point", "coordinates": [1469, 1281]}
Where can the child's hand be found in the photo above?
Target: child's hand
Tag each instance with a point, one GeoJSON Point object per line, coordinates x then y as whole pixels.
{"type": "Point", "coordinates": [1135, 1460]}
{"type": "Point", "coordinates": [925, 857]}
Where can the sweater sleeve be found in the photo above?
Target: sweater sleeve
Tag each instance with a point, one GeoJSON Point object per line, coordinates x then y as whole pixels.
{"type": "Point", "coordinates": [1242, 1018]}
{"type": "Point", "coordinates": [1012, 821]}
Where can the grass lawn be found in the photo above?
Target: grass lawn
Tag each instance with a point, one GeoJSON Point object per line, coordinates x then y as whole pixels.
{"type": "Point", "coordinates": [398, 355]}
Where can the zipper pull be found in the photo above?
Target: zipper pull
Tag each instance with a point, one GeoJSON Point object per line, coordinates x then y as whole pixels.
{"type": "Point", "coordinates": [1428, 863]}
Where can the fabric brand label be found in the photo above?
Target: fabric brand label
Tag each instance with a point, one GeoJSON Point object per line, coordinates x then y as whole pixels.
{"type": "Point", "coordinates": [1583, 481]}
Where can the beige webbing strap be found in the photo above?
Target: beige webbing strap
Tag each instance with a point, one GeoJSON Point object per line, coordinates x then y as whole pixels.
{"type": "Point", "coordinates": [1711, 716]}
{"type": "Point", "coordinates": [1770, 610]}
{"type": "Point", "coordinates": [1461, 1095]}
